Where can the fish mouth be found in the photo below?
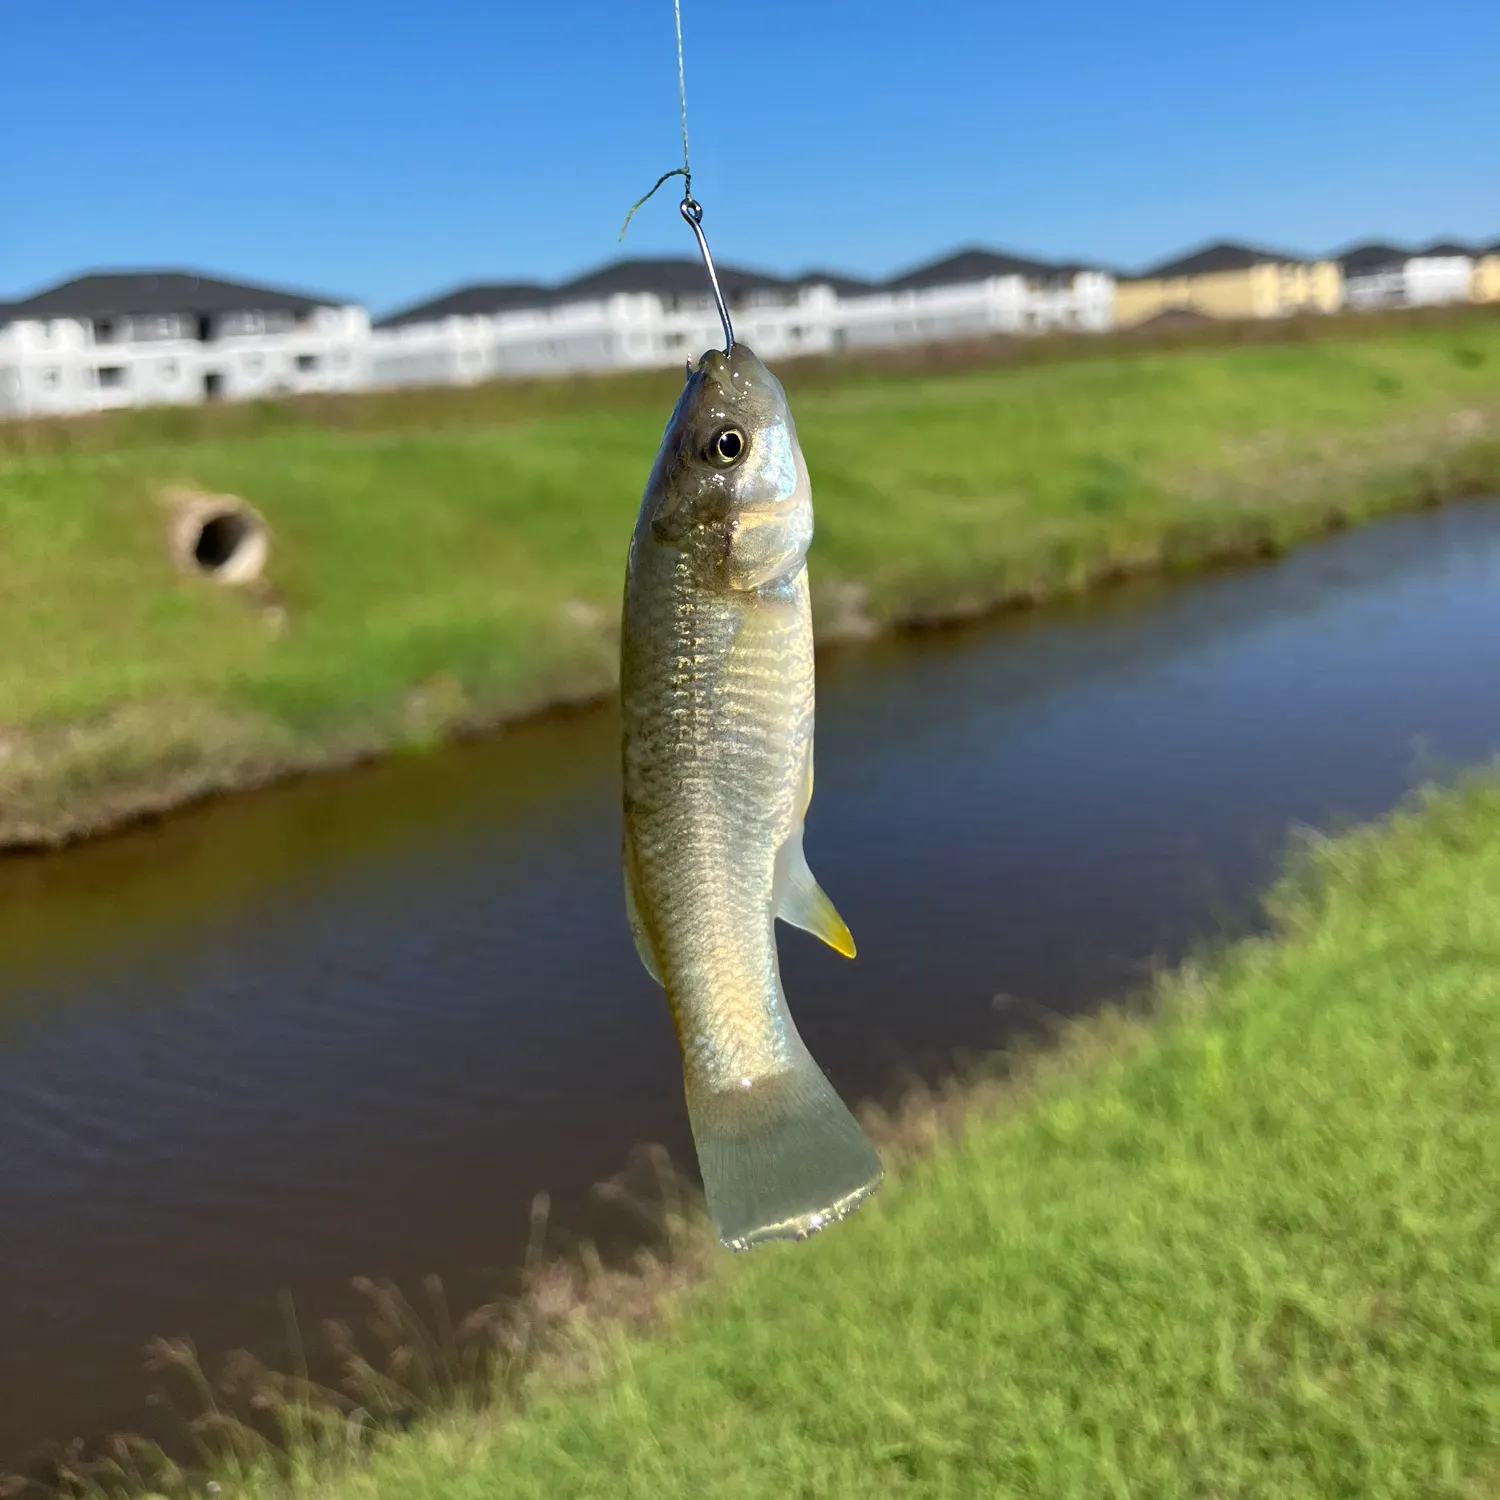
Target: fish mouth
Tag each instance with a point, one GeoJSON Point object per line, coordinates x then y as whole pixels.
{"type": "Point", "coordinates": [715, 366]}
{"type": "Point", "coordinates": [734, 372]}
{"type": "Point", "coordinates": [804, 1226]}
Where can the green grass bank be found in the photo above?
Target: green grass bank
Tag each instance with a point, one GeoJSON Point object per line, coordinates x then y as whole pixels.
{"type": "Point", "coordinates": [445, 560]}
{"type": "Point", "coordinates": [1243, 1240]}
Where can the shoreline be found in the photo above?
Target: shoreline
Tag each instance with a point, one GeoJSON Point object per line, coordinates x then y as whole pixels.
{"type": "Point", "coordinates": [447, 565]}
{"type": "Point", "coordinates": [844, 624]}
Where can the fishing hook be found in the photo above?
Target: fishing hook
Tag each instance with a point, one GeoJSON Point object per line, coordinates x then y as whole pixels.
{"type": "Point", "coordinates": [692, 211]}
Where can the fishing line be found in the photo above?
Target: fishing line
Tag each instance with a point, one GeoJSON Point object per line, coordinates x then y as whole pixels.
{"type": "Point", "coordinates": [690, 209]}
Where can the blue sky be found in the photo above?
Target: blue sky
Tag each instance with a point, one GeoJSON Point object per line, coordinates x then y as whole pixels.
{"type": "Point", "coordinates": [388, 151]}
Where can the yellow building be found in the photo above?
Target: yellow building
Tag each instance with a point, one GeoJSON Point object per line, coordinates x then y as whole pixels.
{"type": "Point", "coordinates": [1230, 281]}
{"type": "Point", "coordinates": [1485, 287]}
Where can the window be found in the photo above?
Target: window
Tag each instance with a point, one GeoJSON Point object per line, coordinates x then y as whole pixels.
{"type": "Point", "coordinates": [155, 327]}
{"type": "Point", "coordinates": [306, 362]}
{"type": "Point", "coordinates": [238, 324]}
{"type": "Point", "coordinates": [111, 377]}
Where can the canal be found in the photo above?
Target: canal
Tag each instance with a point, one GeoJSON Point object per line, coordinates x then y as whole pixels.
{"type": "Point", "coordinates": [352, 1025]}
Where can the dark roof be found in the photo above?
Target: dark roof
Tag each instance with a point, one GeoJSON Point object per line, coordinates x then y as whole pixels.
{"type": "Point", "coordinates": [968, 265]}
{"type": "Point", "coordinates": [845, 286]}
{"type": "Point", "coordinates": [1222, 255]}
{"type": "Point", "coordinates": [673, 276]}
{"type": "Point", "coordinates": [1446, 247]}
{"type": "Point", "coordinates": [480, 299]}
{"type": "Point", "coordinates": [1070, 268]}
{"type": "Point", "coordinates": [1375, 256]}
{"type": "Point", "coordinates": [668, 276]}
{"type": "Point", "coordinates": [115, 294]}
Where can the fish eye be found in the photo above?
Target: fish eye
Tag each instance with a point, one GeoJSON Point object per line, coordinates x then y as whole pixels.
{"type": "Point", "coordinates": [727, 446]}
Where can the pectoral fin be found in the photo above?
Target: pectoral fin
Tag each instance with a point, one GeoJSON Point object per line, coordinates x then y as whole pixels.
{"type": "Point", "coordinates": [632, 911]}
{"type": "Point", "coordinates": [800, 900]}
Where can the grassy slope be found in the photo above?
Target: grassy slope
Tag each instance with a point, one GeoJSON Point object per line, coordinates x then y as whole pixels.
{"type": "Point", "coordinates": [1249, 1248]}
{"type": "Point", "coordinates": [439, 574]}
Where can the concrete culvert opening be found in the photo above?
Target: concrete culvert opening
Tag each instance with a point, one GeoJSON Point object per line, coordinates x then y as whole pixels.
{"type": "Point", "coordinates": [219, 537]}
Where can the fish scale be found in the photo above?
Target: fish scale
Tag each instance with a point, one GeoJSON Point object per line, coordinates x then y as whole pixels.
{"type": "Point", "coordinates": [717, 698]}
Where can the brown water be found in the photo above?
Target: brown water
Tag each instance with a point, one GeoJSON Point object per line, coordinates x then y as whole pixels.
{"type": "Point", "coordinates": [353, 1025]}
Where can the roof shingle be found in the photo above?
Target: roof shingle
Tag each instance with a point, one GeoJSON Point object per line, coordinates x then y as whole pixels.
{"type": "Point", "coordinates": [1221, 255]}
{"type": "Point", "coordinates": [481, 299]}
{"type": "Point", "coordinates": [119, 294]}
{"type": "Point", "coordinates": [669, 276]}
{"type": "Point", "coordinates": [845, 286]}
{"type": "Point", "coordinates": [666, 276]}
{"type": "Point", "coordinates": [677, 276]}
{"type": "Point", "coordinates": [966, 266]}
{"type": "Point", "coordinates": [1365, 259]}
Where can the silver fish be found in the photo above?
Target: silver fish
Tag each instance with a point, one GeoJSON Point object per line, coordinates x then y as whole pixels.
{"type": "Point", "coordinates": [716, 683]}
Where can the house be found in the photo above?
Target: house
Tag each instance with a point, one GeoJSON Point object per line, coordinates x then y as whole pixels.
{"type": "Point", "coordinates": [141, 338]}
{"type": "Point", "coordinates": [1374, 275]}
{"type": "Point", "coordinates": [655, 312]}
{"type": "Point", "coordinates": [1381, 275]}
{"type": "Point", "coordinates": [639, 313]}
{"type": "Point", "coordinates": [134, 338]}
{"type": "Point", "coordinates": [975, 293]}
{"type": "Point", "coordinates": [1229, 280]}
{"type": "Point", "coordinates": [449, 340]}
{"type": "Point", "coordinates": [1485, 286]}
{"type": "Point", "coordinates": [1440, 272]}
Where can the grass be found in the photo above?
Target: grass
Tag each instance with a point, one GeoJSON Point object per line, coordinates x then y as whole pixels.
{"type": "Point", "coordinates": [444, 560]}
{"type": "Point", "coordinates": [1244, 1241]}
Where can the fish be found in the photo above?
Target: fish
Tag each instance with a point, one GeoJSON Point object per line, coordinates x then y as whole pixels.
{"type": "Point", "coordinates": [717, 699]}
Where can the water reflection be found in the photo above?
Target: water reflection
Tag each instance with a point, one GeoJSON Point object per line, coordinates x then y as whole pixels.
{"type": "Point", "coordinates": [352, 1025]}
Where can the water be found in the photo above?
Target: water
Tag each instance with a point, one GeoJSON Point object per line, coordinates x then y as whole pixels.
{"type": "Point", "coordinates": [351, 1026]}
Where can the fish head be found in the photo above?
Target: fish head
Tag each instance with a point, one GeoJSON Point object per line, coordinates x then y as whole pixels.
{"type": "Point", "coordinates": [729, 490]}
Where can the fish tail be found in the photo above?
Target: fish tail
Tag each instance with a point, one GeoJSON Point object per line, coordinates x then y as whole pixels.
{"type": "Point", "coordinates": [781, 1157]}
